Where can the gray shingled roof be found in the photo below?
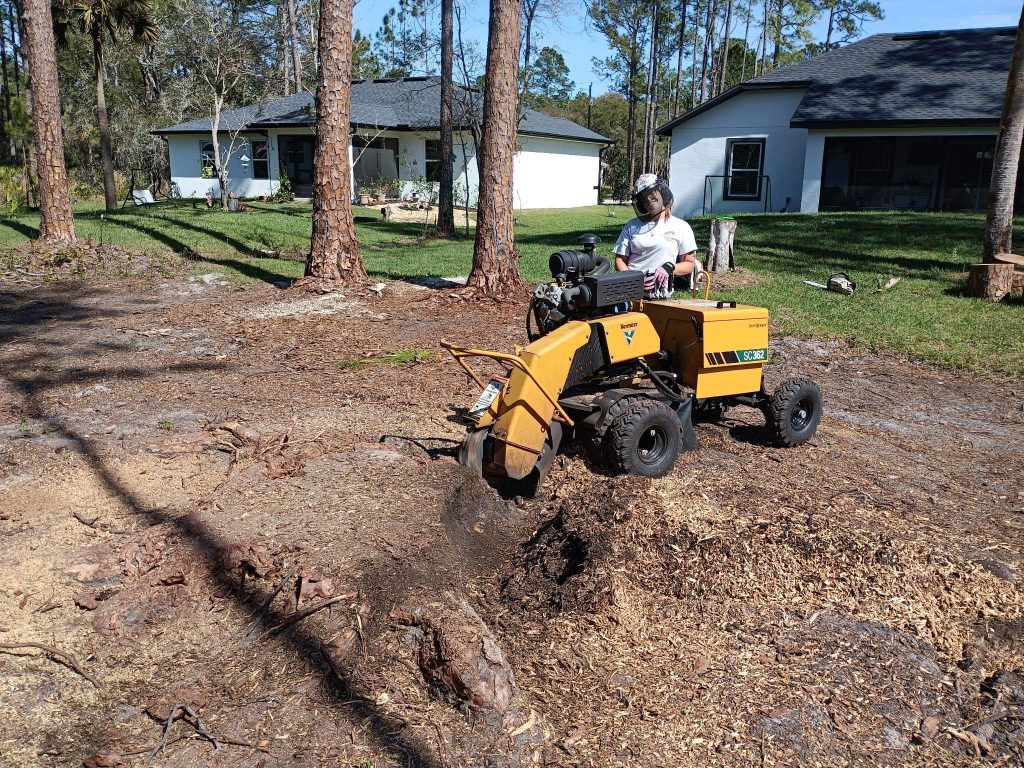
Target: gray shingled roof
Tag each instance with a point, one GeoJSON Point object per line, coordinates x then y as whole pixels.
{"type": "Point", "coordinates": [409, 103]}
{"type": "Point", "coordinates": [949, 77]}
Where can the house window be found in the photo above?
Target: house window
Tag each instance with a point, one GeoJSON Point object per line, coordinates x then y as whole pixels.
{"type": "Point", "coordinates": [206, 157]}
{"type": "Point", "coordinates": [744, 166]}
{"type": "Point", "coordinates": [433, 159]}
{"type": "Point", "coordinates": [260, 160]}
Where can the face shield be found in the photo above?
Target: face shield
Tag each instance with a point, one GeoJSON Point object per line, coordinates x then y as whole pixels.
{"type": "Point", "coordinates": [651, 196]}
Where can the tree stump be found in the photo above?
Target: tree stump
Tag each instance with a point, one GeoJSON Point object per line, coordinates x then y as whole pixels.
{"type": "Point", "coordinates": [1017, 282]}
{"type": "Point", "coordinates": [990, 281]}
{"type": "Point", "coordinates": [721, 256]}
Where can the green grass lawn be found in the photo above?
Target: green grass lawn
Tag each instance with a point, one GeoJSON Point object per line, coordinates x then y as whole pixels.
{"type": "Point", "coordinates": [925, 315]}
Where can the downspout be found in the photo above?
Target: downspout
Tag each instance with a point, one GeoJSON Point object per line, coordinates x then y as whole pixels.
{"type": "Point", "coordinates": [600, 165]}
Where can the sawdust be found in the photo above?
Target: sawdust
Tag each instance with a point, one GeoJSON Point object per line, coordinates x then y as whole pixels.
{"type": "Point", "coordinates": [856, 601]}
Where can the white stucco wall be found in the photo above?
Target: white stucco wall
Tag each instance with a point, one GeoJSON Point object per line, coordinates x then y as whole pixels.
{"type": "Point", "coordinates": [813, 165]}
{"type": "Point", "coordinates": [554, 173]}
{"type": "Point", "coordinates": [548, 173]}
{"type": "Point", "coordinates": [699, 150]}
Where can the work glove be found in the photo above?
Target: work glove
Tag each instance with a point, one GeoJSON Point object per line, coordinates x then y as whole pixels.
{"type": "Point", "coordinates": [659, 278]}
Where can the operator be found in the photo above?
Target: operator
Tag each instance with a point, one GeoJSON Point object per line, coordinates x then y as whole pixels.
{"type": "Point", "coordinates": [656, 242]}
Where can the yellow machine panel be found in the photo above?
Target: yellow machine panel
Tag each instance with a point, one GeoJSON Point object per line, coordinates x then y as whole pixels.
{"type": "Point", "coordinates": [521, 426]}
{"type": "Point", "coordinates": [629, 335]}
{"type": "Point", "coordinates": [718, 351]}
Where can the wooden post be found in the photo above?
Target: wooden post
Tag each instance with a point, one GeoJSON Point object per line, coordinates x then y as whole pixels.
{"type": "Point", "coordinates": [990, 281]}
{"type": "Point", "coordinates": [721, 257]}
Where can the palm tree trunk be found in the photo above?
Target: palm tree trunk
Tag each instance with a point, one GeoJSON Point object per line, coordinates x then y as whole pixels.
{"type": "Point", "coordinates": [1005, 165]}
{"type": "Point", "coordinates": [495, 258]}
{"type": "Point", "coordinates": [57, 223]}
{"type": "Point", "coordinates": [334, 251]}
{"type": "Point", "coordinates": [106, 151]}
{"type": "Point", "coordinates": [446, 193]}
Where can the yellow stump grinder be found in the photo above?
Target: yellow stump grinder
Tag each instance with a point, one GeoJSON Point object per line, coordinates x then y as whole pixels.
{"type": "Point", "coordinates": [624, 375]}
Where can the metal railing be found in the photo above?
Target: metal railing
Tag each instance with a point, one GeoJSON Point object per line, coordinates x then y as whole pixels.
{"type": "Point", "coordinates": [764, 188]}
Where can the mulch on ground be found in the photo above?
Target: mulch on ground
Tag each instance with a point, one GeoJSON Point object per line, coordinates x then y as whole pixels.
{"type": "Point", "coordinates": [239, 509]}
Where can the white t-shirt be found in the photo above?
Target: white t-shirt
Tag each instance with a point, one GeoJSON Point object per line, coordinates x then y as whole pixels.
{"type": "Point", "coordinates": [645, 245]}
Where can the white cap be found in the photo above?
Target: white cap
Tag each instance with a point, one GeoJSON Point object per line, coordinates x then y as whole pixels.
{"type": "Point", "coordinates": [644, 182]}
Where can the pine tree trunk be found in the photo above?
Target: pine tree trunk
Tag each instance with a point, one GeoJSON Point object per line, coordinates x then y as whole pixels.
{"type": "Point", "coordinates": [495, 258]}
{"type": "Point", "coordinates": [693, 57]}
{"type": "Point", "coordinates": [57, 223]}
{"type": "Point", "coordinates": [831, 23]}
{"type": "Point", "coordinates": [999, 223]}
{"type": "Point", "coordinates": [334, 253]}
{"type": "Point", "coordinates": [8, 140]}
{"type": "Point", "coordinates": [647, 164]}
{"type": "Point", "coordinates": [721, 245]}
{"type": "Point", "coordinates": [293, 41]}
{"type": "Point", "coordinates": [778, 35]}
{"type": "Point", "coordinates": [679, 61]}
{"type": "Point", "coordinates": [446, 193]}
{"type": "Point", "coordinates": [106, 151]}
{"type": "Point", "coordinates": [725, 48]}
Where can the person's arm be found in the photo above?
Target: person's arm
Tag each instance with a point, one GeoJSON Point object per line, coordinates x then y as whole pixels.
{"type": "Point", "coordinates": [685, 264]}
{"type": "Point", "coordinates": [620, 264]}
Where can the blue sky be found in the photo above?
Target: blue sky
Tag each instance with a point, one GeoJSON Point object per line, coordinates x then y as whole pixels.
{"type": "Point", "coordinates": [579, 45]}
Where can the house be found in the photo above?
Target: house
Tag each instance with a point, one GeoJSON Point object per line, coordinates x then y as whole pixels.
{"type": "Point", "coordinates": [894, 121]}
{"type": "Point", "coordinates": [395, 143]}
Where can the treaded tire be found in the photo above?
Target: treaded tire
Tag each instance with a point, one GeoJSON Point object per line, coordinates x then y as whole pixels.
{"type": "Point", "coordinates": [793, 412]}
{"type": "Point", "coordinates": [643, 437]}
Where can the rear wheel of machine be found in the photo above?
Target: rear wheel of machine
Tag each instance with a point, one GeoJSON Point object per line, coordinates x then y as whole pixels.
{"type": "Point", "coordinates": [643, 437]}
{"type": "Point", "coordinates": [793, 412]}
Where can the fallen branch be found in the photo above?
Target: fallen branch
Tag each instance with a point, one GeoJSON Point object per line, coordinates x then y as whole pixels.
{"type": "Point", "coordinates": [68, 658]}
{"type": "Point", "coordinates": [196, 722]}
{"type": "Point", "coordinates": [85, 521]}
{"type": "Point", "coordinates": [297, 616]}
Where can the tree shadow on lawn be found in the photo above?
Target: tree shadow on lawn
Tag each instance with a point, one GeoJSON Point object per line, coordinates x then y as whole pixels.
{"type": "Point", "coordinates": [32, 233]}
{"type": "Point", "coordinates": [246, 268]}
{"type": "Point", "coordinates": [383, 730]}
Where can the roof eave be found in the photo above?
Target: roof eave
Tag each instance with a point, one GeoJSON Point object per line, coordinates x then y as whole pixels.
{"type": "Point", "coordinates": [666, 129]}
{"type": "Point", "coordinates": [912, 123]}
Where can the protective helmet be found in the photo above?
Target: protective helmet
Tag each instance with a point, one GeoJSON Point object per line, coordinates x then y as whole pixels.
{"type": "Point", "coordinates": [644, 183]}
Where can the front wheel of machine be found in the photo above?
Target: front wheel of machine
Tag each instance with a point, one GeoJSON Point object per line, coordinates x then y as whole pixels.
{"type": "Point", "coordinates": [793, 412]}
{"type": "Point", "coordinates": [643, 438]}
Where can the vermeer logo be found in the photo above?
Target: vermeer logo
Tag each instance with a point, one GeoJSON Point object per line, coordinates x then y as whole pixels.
{"type": "Point", "coordinates": [628, 335]}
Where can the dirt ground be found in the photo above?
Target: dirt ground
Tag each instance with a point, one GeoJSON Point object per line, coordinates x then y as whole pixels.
{"type": "Point", "coordinates": [238, 509]}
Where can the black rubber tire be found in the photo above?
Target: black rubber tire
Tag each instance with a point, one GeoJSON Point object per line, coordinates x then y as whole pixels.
{"type": "Point", "coordinates": [793, 412]}
{"type": "Point", "coordinates": [643, 437]}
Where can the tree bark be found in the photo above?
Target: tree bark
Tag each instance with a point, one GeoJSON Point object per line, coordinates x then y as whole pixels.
{"type": "Point", "coordinates": [334, 253]}
{"type": "Point", "coordinates": [293, 39]}
{"type": "Point", "coordinates": [106, 151]}
{"type": "Point", "coordinates": [721, 257]}
{"type": "Point", "coordinates": [679, 60]}
{"type": "Point", "coordinates": [495, 258]}
{"type": "Point", "coordinates": [57, 223]}
{"type": "Point", "coordinates": [778, 35]}
{"type": "Point", "coordinates": [725, 48]}
{"type": "Point", "coordinates": [990, 281]}
{"type": "Point", "coordinates": [647, 163]}
{"type": "Point", "coordinates": [693, 57]}
{"type": "Point", "coordinates": [9, 147]}
{"type": "Point", "coordinates": [446, 192]}
{"type": "Point", "coordinates": [1005, 165]}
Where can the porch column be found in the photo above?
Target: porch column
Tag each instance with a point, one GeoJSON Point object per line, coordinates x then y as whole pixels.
{"type": "Point", "coordinates": [352, 169]}
{"type": "Point", "coordinates": [814, 155]}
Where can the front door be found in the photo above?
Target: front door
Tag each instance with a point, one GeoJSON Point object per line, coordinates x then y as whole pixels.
{"type": "Point", "coordinates": [297, 163]}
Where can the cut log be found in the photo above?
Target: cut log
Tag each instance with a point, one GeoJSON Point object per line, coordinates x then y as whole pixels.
{"type": "Point", "coordinates": [720, 245]}
{"type": "Point", "coordinates": [990, 281]}
{"type": "Point", "coordinates": [1010, 258]}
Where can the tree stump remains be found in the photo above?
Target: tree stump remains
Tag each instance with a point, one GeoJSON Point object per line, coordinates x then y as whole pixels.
{"type": "Point", "coordinates": [1017, 283]}
{"type": "Point", "coordinates": [721, 257]}
{"type": "Point", "coordinates": [990, 281]}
